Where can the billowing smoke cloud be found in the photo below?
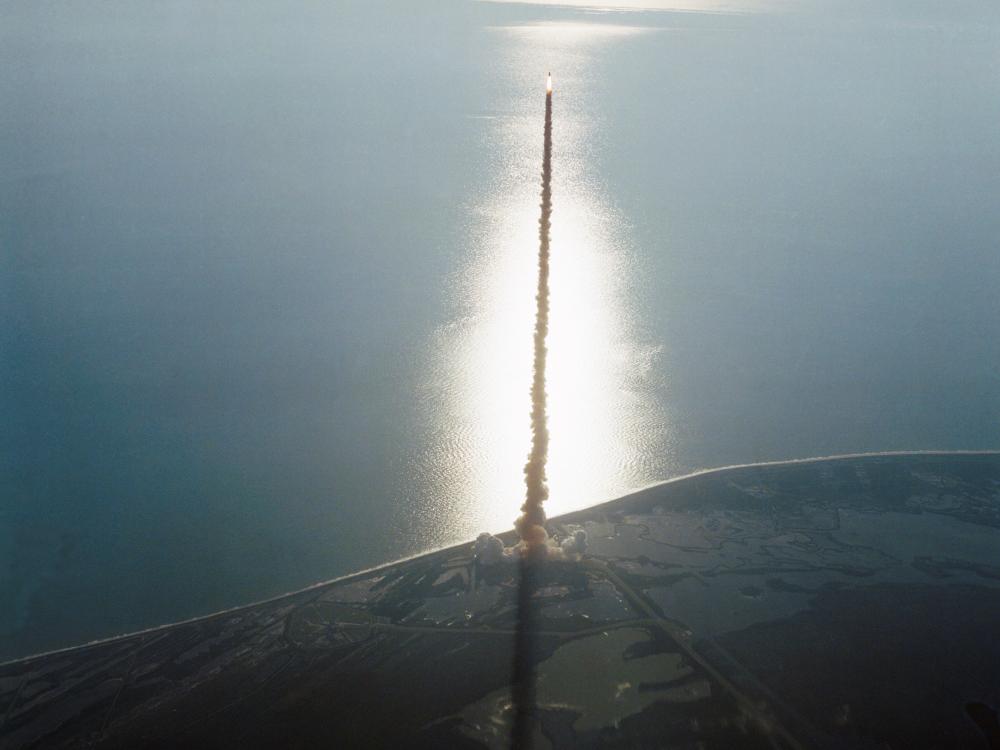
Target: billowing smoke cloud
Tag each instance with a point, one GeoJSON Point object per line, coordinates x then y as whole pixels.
{"type": "Point", "coordinates": [530, 524]}
{"type": "Point", "coordinates": [488, 549]}
{"type": "Point", "coordinates": [573, 546]}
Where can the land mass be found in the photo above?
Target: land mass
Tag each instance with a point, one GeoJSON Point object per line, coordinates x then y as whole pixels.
{"type": "Point", "coordinates": [841, 602]}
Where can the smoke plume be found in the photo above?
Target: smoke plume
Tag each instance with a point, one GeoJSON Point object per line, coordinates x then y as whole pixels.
{"type": "Point", "coordinates": [530, 524]}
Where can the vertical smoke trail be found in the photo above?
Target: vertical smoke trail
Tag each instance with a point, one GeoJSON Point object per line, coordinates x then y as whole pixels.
{"type": "Point", "coordinates": [531, 524]}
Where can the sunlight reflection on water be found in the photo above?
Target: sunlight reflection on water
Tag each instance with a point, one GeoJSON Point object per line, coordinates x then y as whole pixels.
{"type": "Point", "coordinates": [608, 433]}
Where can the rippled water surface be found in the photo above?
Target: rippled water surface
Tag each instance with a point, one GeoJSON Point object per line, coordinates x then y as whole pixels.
{"type": "Point", "coordinates": [267, 273]}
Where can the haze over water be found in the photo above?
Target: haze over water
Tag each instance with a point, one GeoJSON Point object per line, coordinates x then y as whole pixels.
{"type": "Point", "coordinates": [267, 273]}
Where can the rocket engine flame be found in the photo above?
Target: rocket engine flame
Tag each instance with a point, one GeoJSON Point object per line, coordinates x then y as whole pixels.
{"type": "Point", "coordinates": [548, 84]}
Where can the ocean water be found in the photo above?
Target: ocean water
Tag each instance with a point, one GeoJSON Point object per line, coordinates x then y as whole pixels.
{"type": "Point", "coordinates": [267, 273]}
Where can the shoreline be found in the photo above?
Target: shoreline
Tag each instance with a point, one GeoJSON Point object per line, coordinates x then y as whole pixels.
{"type": "Point", "coordinates": [430, 553]}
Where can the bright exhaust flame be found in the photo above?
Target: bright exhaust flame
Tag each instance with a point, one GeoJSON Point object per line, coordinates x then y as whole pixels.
{"type": "Point", "coordinates": [548, 84]}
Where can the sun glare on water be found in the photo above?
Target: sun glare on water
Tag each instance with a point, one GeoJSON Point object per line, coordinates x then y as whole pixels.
{"type": "Point", "coordinates": [606, 432]}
